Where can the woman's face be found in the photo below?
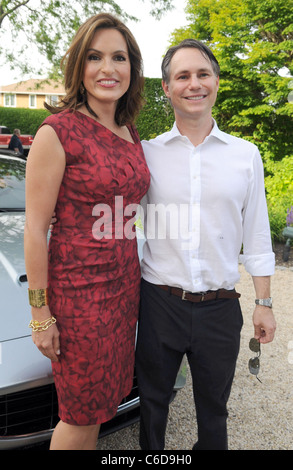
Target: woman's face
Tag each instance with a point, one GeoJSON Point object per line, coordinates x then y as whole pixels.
{"type": "Point", "coordinates": [107, 69]}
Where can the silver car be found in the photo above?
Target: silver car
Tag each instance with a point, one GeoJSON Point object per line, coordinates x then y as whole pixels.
{"type": "Point", "coordinates": [28, 402]}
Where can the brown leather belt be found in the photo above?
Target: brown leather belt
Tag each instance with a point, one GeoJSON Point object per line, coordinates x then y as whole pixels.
{"type": "Point", "coordinates": [201, 296]}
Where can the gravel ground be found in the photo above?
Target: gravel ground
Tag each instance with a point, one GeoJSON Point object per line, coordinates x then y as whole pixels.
{"type": "Point", "coordinates": [260, 414]}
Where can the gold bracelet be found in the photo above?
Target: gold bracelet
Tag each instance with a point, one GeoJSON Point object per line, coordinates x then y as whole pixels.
{"type": "Point", "coordinates": [42, 325]}
{"type": "Point", "coordinates": [38, 297]}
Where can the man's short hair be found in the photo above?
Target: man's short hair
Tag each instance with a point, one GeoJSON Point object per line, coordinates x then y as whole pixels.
{"type": "Point", "coordinates": [188, 43]}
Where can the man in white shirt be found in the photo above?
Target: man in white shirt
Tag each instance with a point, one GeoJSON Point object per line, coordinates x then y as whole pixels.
{"type": "Point", "coordinates": [205, 204]}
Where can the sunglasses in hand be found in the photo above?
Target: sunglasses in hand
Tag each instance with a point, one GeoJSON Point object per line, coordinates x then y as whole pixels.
{"type": "Point", "coordinates": [254, 362]}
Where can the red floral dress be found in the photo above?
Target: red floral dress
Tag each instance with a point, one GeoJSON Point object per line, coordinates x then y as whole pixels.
{"type": "Point", "coordinates": [94, 272]}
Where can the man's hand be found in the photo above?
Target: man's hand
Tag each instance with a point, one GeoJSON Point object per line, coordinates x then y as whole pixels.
{"type": "Point", "coordinates": [264, 324]}
{"type": "Point", "coordinates": [53, 220]}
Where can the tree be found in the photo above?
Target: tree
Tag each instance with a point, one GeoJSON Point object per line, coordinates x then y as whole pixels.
{"type": "Point", "coordinates": [157, 115]}
{"type": "Point", "coordinates": [253, 41]}
{"type": "Point", "coordinates": [49, 25]}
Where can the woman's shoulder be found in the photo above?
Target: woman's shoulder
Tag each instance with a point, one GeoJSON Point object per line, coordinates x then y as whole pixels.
{"type": "Point", "coordinates": [57, 118]}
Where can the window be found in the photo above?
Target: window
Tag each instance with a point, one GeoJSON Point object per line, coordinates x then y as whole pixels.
{"type": "Point", "coordinates": [32, 101]}
{"type": "Point", "coordinates": [10, 101]}
{"type": "Point", "coordinates": [52, 99]}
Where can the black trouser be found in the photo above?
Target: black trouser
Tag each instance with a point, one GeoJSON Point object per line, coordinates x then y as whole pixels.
{"type": "Point", "coordinates": [209, 334]}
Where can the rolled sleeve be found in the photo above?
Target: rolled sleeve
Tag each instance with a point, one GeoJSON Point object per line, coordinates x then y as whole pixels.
{"type": "Point", "coordinates": [258, 257]}
{"type": "Point", "coordinates": [259, 265]}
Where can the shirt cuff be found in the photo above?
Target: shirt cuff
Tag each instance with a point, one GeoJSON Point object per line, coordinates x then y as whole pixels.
{"type": "Point", "coordinates": [259, 265]}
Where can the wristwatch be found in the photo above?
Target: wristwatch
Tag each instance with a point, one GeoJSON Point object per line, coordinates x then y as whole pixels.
{"type": "Point", "coordinates": [265, 302]}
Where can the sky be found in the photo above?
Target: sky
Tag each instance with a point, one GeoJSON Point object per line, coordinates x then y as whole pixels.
{"type": "Point", "coordinates": [152, 37]}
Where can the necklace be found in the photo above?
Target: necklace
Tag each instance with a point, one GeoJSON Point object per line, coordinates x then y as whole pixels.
{"type": "Point", "coordinates": [90, 110]}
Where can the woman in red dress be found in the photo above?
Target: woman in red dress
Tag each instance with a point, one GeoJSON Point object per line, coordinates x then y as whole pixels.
{"type": "Point", "coordinates": [87, 162]}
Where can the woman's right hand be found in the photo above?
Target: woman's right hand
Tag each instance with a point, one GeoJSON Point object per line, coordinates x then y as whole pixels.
{"type": "Point", "coordinates": [47, 341]}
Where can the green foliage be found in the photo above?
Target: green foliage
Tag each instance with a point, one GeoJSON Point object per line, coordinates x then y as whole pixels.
{"type": "Point", "coordinates": [277, 218]}
{"type": "Point", "coordinates": [157, 115]}
{"type": "Point", "coordinates": [279, 182]}
{"type": "Point", "coordinates": [27, 120]}
{"type": "Point", "coordinates": [279, 189]}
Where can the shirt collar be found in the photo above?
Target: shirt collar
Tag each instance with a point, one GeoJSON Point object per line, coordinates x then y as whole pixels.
{"type": "Point", "coordinates": [215, 132]}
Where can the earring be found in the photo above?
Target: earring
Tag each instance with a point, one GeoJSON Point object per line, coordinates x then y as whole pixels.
{"type": "Point", "coordinates": [82, 89]}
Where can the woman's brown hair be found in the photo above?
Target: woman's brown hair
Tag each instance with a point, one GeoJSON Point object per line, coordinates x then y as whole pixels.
{"type": "Point", "coordinates": [130, 104]}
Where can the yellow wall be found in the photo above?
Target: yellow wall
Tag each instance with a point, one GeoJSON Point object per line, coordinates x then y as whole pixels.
{"type": "Point", "coordinates": [22, 101]}
{"type": "Point", "coordinates": [40, 101]}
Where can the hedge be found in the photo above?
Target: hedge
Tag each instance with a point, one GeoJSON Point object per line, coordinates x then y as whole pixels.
{"type": "Point", "coordinates": [27, 120]}
{"type": "Point", "coordinates": [156, 116]}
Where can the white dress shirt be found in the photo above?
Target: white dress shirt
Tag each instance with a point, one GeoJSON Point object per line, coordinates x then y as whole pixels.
{"type": "Point", "coordinates": [203, 206]}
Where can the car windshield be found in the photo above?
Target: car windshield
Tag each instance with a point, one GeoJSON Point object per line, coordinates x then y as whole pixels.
{"type": "Point", "coordinates": [12, 184]}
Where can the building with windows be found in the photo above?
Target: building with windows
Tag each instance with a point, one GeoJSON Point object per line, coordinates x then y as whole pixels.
{"type": "Point", "coordinates": [31, 94]}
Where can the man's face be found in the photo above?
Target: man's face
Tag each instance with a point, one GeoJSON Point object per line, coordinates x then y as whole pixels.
{"type": "Point", "coordinates": [193, 85]}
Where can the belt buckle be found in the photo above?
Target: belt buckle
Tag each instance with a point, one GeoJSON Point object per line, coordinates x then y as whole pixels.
{"type": "Point", "coordinates": [202, 296]}
{"type": "Point", "coordinates": [183, 295]}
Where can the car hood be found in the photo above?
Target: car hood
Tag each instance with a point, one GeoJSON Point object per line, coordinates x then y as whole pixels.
{"type": "Point", "coordinates": [15, 312]}
{"type": "Point", "coordinates": [14, 308]}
